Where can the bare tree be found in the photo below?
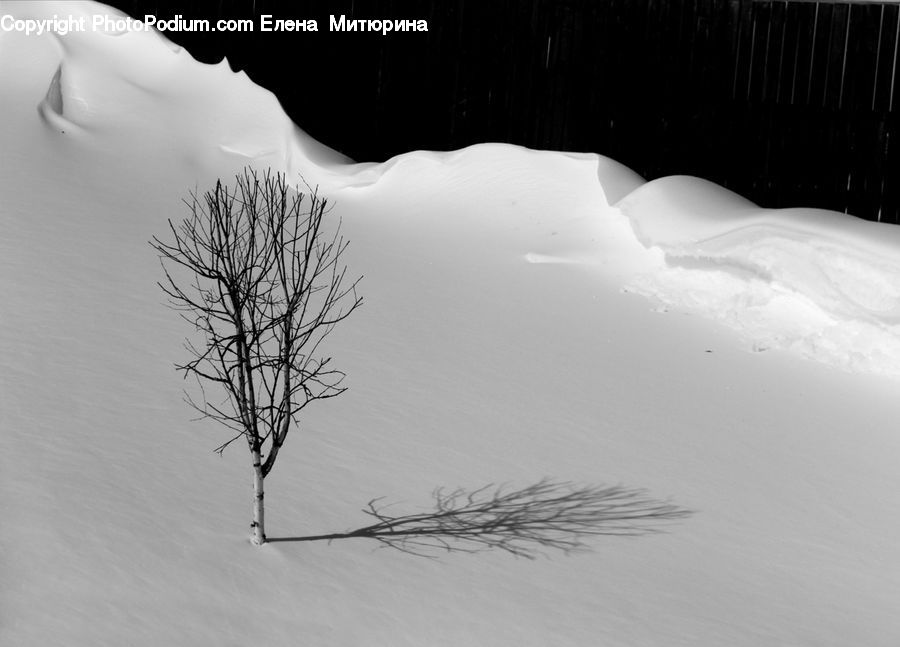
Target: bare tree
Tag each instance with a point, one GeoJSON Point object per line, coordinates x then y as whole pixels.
{"type": "Point", "coordinates": [523, 522]}
{"type": "Point", "coordinates": [264, 286]}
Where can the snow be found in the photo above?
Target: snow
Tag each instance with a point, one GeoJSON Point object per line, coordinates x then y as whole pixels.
{"type": "Point", "coordinates": [501, 341]}
{"type": "Point", "coordinates": [816, 282]}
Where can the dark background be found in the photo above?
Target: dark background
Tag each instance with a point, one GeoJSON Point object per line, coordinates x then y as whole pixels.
{"type": "Point", "coordinates": [790, 103]}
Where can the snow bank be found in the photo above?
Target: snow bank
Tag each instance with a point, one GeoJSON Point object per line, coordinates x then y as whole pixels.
{"type": "Point", "coordinates": [815, 282]}
{"type": "Point", "coordinates": [820, 283]}
{"type": "Point", "coordinates": [111, 85]}
{"type": "Point", "coordinates": [495, 344]}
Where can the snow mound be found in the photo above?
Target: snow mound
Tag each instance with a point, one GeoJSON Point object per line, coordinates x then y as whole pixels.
{"type": "Point", "coordinates": [813, 281]}
{"type": "Point", "coordinates": [112, 84]}
{"type": "Point", "coordinates": [817, 282]}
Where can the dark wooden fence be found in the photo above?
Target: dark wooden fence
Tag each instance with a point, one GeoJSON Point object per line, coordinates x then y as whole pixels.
{"type": "Point", "coordinates": [791, 103]}
{"type": "Point", "coordinates": [816, 82]}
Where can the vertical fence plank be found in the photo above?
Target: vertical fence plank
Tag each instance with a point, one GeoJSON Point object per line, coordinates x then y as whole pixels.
{"type": "Point", "coordinates": [863, 57]}
{"type": "Point", "coordinates": [884, 57]}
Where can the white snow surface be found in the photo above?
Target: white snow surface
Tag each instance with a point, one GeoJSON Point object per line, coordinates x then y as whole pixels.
{"type": "Point", "coordinates": [500, 341]}
{"type": "Point", "coordinates": [817, 282]}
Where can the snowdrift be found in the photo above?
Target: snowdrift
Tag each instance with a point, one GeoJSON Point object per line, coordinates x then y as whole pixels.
{"type": "Point", "coordinates": [818, 282]}
{"type": "Point", "coordinates": [500, 341]}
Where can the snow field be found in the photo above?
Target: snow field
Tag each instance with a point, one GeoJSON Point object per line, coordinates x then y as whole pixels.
{"type": "Point", "coordinates": [469, 363]}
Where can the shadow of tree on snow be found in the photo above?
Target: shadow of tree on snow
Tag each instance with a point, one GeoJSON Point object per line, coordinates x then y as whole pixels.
{"type": "Point", "coordinates": [545, 515]}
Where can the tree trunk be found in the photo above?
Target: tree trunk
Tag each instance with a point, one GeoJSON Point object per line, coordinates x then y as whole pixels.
{"type": "Point", "coordinates": [258, 526]}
